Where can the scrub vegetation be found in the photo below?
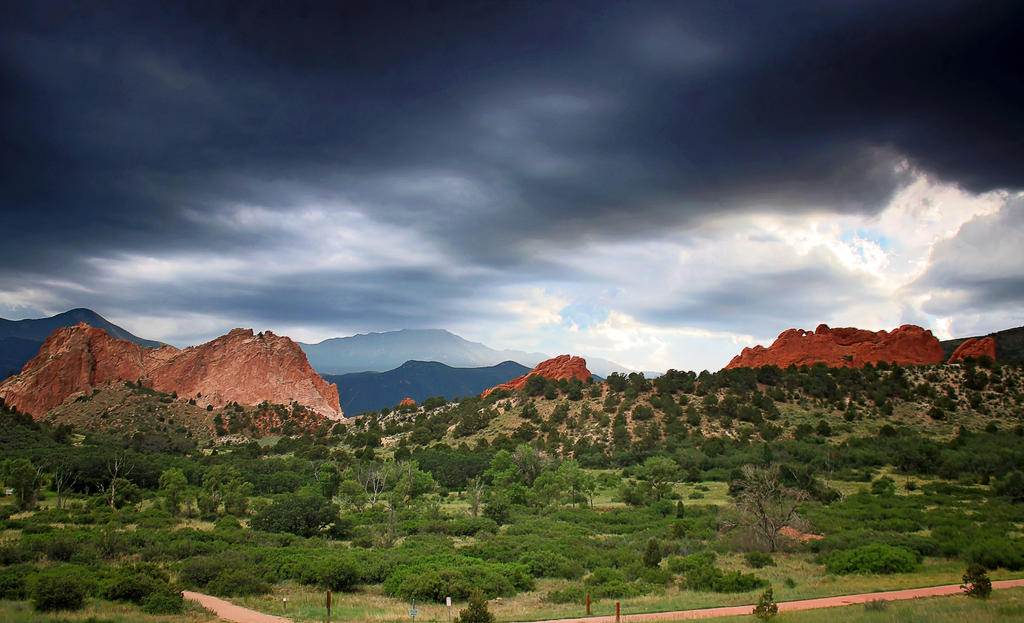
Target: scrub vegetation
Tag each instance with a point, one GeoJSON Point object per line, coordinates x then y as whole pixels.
{"type": "Point", "coordinates": [689, 490]}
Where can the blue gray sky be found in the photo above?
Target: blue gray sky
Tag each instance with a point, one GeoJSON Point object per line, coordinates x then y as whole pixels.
{"type": "Point", "coordinates": [656, 183]}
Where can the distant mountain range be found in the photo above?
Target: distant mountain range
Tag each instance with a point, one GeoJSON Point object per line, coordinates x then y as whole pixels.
{"type": "Point", "coordinates": [387, 351]}
{"type": "Point", "coordinates": [1009, 345]}
{"type": "Point", "coordinates": [419, 380]}
{"type": "Point", "coordinates": [20, 339]}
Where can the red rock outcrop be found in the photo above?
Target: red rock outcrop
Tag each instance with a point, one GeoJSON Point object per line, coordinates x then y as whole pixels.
{"type": "Point", "coordinates": [407, 402]}
{"type": "Point", "coordinates": [237, 367]}
{"type": "Point", "coordinates": [844, 347]}
{"type": "Point", "coordinates": [973, 347]}
{"type": "Point", "coordinates": [556, 368]}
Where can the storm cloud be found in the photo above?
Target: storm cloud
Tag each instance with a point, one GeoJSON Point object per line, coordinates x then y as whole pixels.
{"type": "Point", "coordinates": [344, 167]}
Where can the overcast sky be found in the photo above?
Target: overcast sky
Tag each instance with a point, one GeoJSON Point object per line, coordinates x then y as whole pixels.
{"type": "Point", "coordinates": [656, 183]}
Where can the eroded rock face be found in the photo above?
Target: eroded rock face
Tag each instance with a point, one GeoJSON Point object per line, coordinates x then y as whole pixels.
{"type": "Point", "coordinates": [407, 402]}
{"type": "Point", "coordinates": [844, 347]}
{"type": "Point", "coordinates": [237, 367]}
{"type": "Point", "coordinates": [556, 368]}
{"type": "Point", "coordinates": [973, 347]}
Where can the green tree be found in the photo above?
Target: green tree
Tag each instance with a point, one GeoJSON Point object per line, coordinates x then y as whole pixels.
{"type": "Point", "coordinates": [548, 488]}
{"type": "Point", "coordinates": [652, 553]}
{"type": "Point", "coordinates": [660, 472]}
{"type": "Point", "coordinates": [172, 487]}
{"type": "Point", "coordinates": [25, 478]}
{"type": "Point", "coordinates": [123, 492]}
{"type": "Point", "coordinates": [976, 582]}
{"type": "Point", "coordinates": [766, 607]}
{"type": "Point", "coordinates": [476, 610]}
{"type": "Point", "coordinates": [352, 494]}
{"type": "Point", "coordinates": [580, 484]}
{"type": "Point", "coordinates": [223, 484]}
{"type": "Point", "coordinates": [305, 513]}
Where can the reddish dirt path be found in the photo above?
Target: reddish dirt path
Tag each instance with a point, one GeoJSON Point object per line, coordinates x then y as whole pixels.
{"type": "Point", "coordinates": [230, 612]}
{"type": "Point", "coordinates": [805, 604]}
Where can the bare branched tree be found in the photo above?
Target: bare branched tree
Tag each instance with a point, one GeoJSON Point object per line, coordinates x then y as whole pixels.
{"type": "Point", "coordinates": [475, 492]}
{"type": "Point", "coordinates": [374, 479]}
{"type": "Point", "coordinates": [64, 477]}
{"type": "Point", "coordinates": [117, 467]}
{"type": "Point", "coordinates": [764, 505]}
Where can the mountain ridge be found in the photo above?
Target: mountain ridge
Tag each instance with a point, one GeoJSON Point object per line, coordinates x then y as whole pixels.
{"type": "Point", "coordinates": [385, 351]}
{"type": "Point", "coordinates": [418, 380]}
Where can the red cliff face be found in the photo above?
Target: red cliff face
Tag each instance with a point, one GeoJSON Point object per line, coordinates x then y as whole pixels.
{"type": "Point", "coordinates": [973, 347]}
{"type": "Point", "coordinates": [237, 367]}
{"type": "Point", "coordinates": [844, 347]}
{"type": "Point", "coordinates": [407, 402]}
{"type": "Point", "coordinates": [560, 367]}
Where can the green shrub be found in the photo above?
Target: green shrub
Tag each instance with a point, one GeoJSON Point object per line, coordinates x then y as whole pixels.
{"type": "Point", "coordinates": [237, 582]}
{"type": "Point", "coordinates": [757, 560]}
{"type": "Point", "coordinates": [548, 564]}
{"type": "Point", "coordinates": [436, 580]}
{"type": "Point", "coordinates": [164, 600]}
{"type": "Point", "coordinates": [993, 553]}
{"type": "Point", "coordinates": [604, 575]}
{"type": "Point", "coordinates": [873, 558]}
{"type": "Point", "coordinates": [14, 581]}
{"type": "Point", "coordinates": [686, 563]}
{"type": "Point", "coordinates": [736, 582]}
{"type": "Point", "coordinates": [339, 574]}
{"type": "Point", "coordinates": [574, 594]}
{"type": "Point", "coordinates": [58, 591]}
{"type": "Point", "coordinates": [127, 586]}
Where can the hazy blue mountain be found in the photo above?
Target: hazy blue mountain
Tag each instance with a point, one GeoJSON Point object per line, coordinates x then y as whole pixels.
{"type": "Point", "coordinates": [20, 339]}
{"type": "Point", "coordinates": [369, 391]}
{"type": "Point", "coordinates": [14, 353]}
{"type": "Point", "coordinates": [386, 351]}
{"type": "Point", "coordinates": [1009, 344]}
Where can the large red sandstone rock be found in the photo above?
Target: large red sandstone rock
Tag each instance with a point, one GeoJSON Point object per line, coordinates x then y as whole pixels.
{"type": "Point", "coordinates": [844, 347]}
{"type": "Point", "coordinates": [237, 367]}
{"type": "Point", "coordinates": [973, 347]}
{"type": "Point", "coordinates": [407, 402]}
{"type": "Point", "coordinates": [556, 368]}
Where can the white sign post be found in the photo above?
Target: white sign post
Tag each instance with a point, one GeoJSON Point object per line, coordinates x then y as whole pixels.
{"type": "Point", "coordinates": [448, 602]}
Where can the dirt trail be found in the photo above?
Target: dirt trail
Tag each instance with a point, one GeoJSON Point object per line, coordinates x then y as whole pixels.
{"type": "Point", "coordinates": [787, 606]}
{"type": "Point", "coordinates": [230, 612]}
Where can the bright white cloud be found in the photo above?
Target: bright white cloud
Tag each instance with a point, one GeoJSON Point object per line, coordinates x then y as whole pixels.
{"type": "Point", "coordinates": [865, 263]}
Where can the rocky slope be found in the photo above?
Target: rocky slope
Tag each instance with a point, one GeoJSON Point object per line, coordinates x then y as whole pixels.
{"type": "Point", "coordinates": [20, 339]}
{"type": "Point", "coordinates": [1009, 345]}
{"type": "Point", "coordinates": [974, 347]}
{"type": "Point", "coordinates": [237, 367]}
{"type": "Point", "coordinates": [556, 368]}
{"type": "Point", "coordinates": [844, 347]}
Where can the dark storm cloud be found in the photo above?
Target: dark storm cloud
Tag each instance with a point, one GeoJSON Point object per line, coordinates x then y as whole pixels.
{"type": "Point", "coordinates": [493, 129]}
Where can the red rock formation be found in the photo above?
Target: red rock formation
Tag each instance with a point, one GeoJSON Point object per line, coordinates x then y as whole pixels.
{"type": "Point", "coordinates": [407, 402]}
{"type": "Point", "coordinates": [973, 347]}
{"type": "Point", "coordinates": [844, 347]}
{"type": "Point", "coordinates": [237, 367]}
{"type": "Point", "coordinates": [560, 367]}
